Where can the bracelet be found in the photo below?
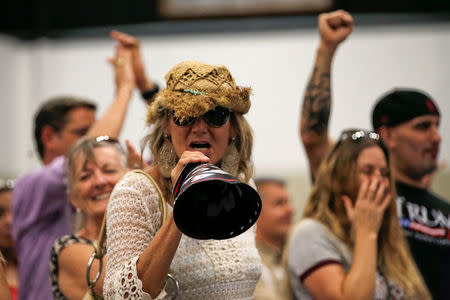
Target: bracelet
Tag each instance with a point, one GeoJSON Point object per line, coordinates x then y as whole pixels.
{"type": "Point", "coordinates": [148, 95]}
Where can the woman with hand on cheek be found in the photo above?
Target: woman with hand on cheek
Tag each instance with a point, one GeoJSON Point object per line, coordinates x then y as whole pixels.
{"type": "Point", "coordinates": [349, 244]}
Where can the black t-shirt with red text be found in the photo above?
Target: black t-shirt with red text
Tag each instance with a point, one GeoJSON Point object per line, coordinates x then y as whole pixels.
{"type": "Point", "coordinates": [425, 219]}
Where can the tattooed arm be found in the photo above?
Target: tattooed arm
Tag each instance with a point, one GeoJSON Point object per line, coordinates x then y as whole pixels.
{"type": "Point", "coordinates": [316, 112]}
{"type": "Point", "coordinates": [334, 28]}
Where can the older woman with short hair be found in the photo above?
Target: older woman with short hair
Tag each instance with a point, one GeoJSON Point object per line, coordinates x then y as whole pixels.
{"type": "Point", "coordinates": [94, 166]}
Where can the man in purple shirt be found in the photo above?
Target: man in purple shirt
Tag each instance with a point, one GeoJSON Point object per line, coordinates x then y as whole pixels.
{"type": "Point", "coordinates": [41, 210]}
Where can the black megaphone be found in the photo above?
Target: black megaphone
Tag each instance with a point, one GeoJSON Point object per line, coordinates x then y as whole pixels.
{"type": "Point", "coordinates": [212, 204]}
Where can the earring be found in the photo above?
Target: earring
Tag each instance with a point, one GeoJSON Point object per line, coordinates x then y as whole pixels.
{"type": "Point", "coordinates": [231, 159]}
{"type": "Point", "coordinates": [167, 157]}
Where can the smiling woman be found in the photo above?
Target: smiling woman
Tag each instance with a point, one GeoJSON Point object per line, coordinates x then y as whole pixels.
{"type": "Point", "coordinates": [94, 166]}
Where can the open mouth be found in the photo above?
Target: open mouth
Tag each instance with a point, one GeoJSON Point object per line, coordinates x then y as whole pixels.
{"type": "Point", "coordinates": [200, 146]}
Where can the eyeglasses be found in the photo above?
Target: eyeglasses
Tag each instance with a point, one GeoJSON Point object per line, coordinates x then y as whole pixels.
{"type": "Point", "coordinates": [216, 117]}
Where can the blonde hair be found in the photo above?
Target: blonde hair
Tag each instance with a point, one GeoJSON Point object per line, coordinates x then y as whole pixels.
{"type": "Point", "coordinates": [243, 141]}
{"type": "Point", "coordinates": [338, 176]}
{"type": "Point", "coordinates": [84, 148]}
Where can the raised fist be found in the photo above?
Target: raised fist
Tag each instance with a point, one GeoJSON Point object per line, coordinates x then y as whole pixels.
{"type": "Point", "coordinates": [335, 27]}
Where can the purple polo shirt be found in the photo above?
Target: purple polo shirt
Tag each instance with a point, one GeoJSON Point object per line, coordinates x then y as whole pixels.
{"type": "Point", "coordinates": [41, 214]}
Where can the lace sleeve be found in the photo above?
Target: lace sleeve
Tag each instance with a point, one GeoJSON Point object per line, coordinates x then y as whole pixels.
{"type": "Point", "coordinates": [133, 219]}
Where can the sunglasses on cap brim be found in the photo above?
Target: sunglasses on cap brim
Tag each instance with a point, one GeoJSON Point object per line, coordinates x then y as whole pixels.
{"type": "Point", "coordinates": [216, 117]}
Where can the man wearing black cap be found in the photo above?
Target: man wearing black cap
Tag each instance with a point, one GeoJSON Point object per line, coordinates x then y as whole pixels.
{"type": "Point", "coordinates": [408, 122]}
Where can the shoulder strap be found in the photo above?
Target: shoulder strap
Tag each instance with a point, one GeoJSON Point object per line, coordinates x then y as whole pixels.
{"type": "Point", "coordinates": [162, 201]}
{"type": "Point", "coordinates": [98, 244]}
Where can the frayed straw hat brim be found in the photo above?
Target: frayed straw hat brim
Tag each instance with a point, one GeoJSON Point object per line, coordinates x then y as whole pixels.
{"type": "Point", "coordinates": [185, 104]}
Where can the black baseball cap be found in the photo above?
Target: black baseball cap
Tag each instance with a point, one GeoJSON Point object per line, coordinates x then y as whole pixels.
{"type": "Point", "coordinates": [401, 105]}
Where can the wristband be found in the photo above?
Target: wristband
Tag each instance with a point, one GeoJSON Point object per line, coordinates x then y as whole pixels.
{"type": "Point", "coordinates": [148, 95]}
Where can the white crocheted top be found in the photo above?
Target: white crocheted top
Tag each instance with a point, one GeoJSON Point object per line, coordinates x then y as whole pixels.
{"type": "Point", "coordinates": [205, 269]}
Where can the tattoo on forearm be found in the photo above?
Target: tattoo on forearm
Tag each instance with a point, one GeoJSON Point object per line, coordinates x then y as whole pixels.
{"type": "Point", "coordinates": [317, 102]}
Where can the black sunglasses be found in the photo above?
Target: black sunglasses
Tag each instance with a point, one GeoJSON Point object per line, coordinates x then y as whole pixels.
{"type": "Point", "coordinates": [216, 117]}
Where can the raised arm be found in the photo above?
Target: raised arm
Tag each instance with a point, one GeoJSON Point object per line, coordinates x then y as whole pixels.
{"type": "Point", "coordinates": [112, 120]}
{"type": "Point", "coordinates": [145, 84]}
{"type": "Point", "coordinates": [334, 28]}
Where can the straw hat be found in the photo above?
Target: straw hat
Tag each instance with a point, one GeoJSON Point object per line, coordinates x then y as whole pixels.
{"type": "Point", "coordinates": [193, 88]}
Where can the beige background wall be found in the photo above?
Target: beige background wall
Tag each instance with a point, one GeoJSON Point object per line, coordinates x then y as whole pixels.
{"type": "Point", "coordinates": [276, 64]}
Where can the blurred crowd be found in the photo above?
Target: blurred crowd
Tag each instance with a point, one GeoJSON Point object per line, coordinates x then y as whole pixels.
{"type": "Point", "coordinates": [96, 220]}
